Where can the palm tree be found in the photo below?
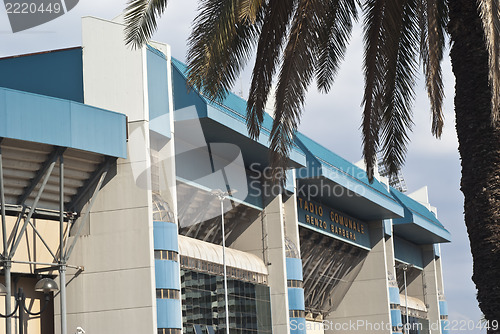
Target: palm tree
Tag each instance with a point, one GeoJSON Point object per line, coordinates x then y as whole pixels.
{"type": "Point", "coordinates": [479, 147]}
{"type": "Point", "coordinates": [298, 41]}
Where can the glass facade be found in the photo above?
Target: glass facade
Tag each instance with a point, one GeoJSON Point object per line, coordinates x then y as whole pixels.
{"type": "Point", "coordinates": [203, 306]}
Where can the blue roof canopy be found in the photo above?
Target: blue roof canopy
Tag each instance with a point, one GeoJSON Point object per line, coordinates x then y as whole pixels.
{"type": "Point", "coordinates": [53, 121]}
{"type": "Point", "coordinates": [225, 121]}
{"type": "Point", "coordinates": [418, 225]}
{"type": "Point", "coordinates": [351, 191]}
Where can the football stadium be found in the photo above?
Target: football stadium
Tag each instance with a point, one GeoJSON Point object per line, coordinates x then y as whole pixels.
{"type": "Point", "coordinates": [132, 203]}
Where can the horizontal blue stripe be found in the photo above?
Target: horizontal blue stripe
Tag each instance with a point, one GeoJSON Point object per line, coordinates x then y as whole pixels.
{"type": "Point", "coordinates": [165, 236]}
{"type": "Point", "coordinates": [443, 307]}
{"type": "Point", "coordinates": [168, 313]}
{"type": "Point", "coordinates": [396, 318]}
{"type": "Point", "coordinates": [394, 295]}
{"type": "Point", "coordinates": [297, 326]}
{"type": "Point", "coordinates": [293, 269]}
{"type": "Point", "coordinates": [296, 299]}
{"type": "Point", "coordinates": [167, 274]}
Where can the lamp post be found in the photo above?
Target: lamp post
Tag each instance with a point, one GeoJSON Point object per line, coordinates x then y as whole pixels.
{"type": "Point", "coordinates": [45, 285]}
{"type": "Point", "coordinates": [221, 195]}
{"type": "Point", "coordinates": [405, 267]}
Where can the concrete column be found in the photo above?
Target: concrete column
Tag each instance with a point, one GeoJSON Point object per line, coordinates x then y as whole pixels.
{"type": "Point", "coordinates": [369, 315]}
{"type": "Point", "coordinates": [250, 239]}
{"type": "Point", "coordinates": [443, 305]}
{"type": "Point", "coordinates": [394, 300]}
{"type": "Point", "coordinates": [296, 303]}
{"type": "Point", "coordinates": [116, 292]}
{"type": "Point", "coordinates": [290, 212]}
{"type": "Point", "coordinates": [430, 284]}
{"type": "Point", "coordinates": [274, 240]}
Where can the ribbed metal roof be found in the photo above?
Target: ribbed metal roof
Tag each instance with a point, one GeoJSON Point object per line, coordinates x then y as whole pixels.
{"type": "Point", "coordinates": [23, 161]}
{"type": "Point", "coordinates": [413, 303]}
{"type": "Point", "coordinates": [206, 251]}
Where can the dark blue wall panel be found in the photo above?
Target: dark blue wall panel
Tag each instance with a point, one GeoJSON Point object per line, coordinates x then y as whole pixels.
{"type": "Point", "coordinates": [57, 73]}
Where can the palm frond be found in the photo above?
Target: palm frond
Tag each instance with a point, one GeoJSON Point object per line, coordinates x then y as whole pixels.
{"type": "Point", "coordinates": [295, 76]}
{"type": "Point", "coordinates": [277, 16]}
{"type": "Point", "coordinates": [248, 10]}
{"type": "Point", "coordinates": [140, 20]}
{"type": "Point", "coordinates": [219, 46]}
{"type": "Point", "coordinates": [433, 17]}
{"type": "Point", "coordinates": [490, 15]}
{"type": "Point", "coordinates": [335, 32]}
{"type": "Point", "coordinates": [401, 52]}
{"type": "Point", "coordinates": [374, 65]}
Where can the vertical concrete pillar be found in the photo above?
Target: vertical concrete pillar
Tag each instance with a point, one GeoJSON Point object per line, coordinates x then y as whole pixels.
{"type": "Point", "coordinates": [296, 304]}
{"type": "Point", "coordinates": [431, 291]}
{"type": "Point", "coordinates": [290, 213]}
{"type": "Point", "coordinates": [443, 304]}
{"type": "Point", "coordinates": [394, 299]}
{"type": "Point", "coordinates": [116, 292]}
{"type": "Point", "coordinates": [163, 174]}
{"type": "Point", "coordinates": [274, 240]}
{"type": "Point", "coordinates": [357, 313]}
{"type": "Point", "coordinates": [250, 240]}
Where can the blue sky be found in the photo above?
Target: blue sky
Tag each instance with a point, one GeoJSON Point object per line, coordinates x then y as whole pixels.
{"type": "Point", "coordinates": [332, 119]}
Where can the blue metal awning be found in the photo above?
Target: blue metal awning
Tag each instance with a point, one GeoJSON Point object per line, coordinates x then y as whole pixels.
{"type": "Point", "coordinates": [37, 131]}
{"type": "Point", "coordinates": [48, 120]}
{"type": "Point", "coordinates": [224, 121]}
{"type": "Point", "coordinates": [350, 190]}
{"type": "Point", "coordinates": [418, 225]}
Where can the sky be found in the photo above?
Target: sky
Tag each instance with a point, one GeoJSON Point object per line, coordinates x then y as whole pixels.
{"type": "Point", "coordinates": [331, 119]}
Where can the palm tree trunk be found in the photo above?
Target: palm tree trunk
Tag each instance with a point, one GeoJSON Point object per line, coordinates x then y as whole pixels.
{"type": "Point", "coordinates": [479, 146]}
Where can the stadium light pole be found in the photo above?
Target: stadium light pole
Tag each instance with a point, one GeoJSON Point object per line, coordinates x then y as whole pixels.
{"type": "Point", "coordinates": [405, 267]}
{"type": "Point", "coordinates": [221, 195]}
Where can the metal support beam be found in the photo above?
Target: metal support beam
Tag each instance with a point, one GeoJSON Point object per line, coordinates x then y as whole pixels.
{"type": "Point", "coordinates": [326, 269]}
{"type": "Point", "coordinates": [2, 203]}
{"type": "Point", "coordinates": [61, 209]}
{"type": "Point", "coordinates": [82, 222]}
{"type": "Point", "coordinates": [91, 181]}
{"type": "Point", "coordinates": [55, 265]}
{"type": "Point", "coordinates": [7, 263]}
{"type": "Point", "coordinates": [62, 296]}
{"type": "Point", "coordinates": [41, 172]}
{"type": "Point", "coordinates": [209, 233]}
{"type": "Point", "coordinates": [8, 285]}
{"type": "Point", "coordinates": [62, 260]}
{"type": "Point", "coordinates": [32, 210]}
{"type": "Point", "coordinates": [187, 202]}
{"type": "Point", "coordinates": [43, 241]}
